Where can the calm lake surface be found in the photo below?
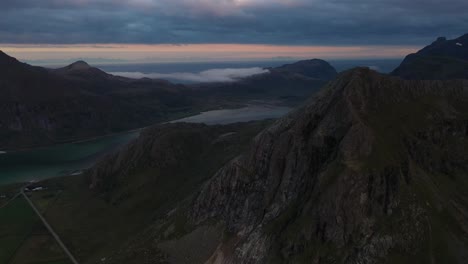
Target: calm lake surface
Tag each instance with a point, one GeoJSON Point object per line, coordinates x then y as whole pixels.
{"type": "Point", "coordinates": [229, 116]}
{"type": "Point", "coordinates": [71, 158]}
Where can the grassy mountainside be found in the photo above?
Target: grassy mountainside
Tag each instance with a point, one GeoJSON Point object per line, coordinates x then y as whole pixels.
{"type": "Point", "coordinates": [105, 210]}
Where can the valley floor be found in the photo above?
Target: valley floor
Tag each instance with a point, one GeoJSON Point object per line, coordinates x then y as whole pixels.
{"type": "Point", "coordinates": [23, 236]}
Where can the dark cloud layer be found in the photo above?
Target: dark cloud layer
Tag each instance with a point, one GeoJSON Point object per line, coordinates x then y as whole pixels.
{"type": "Point", "coordinates": [311, 22]}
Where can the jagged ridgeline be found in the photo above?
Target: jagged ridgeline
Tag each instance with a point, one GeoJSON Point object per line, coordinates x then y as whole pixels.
{"type": "Point", "coordinates": [371, 170]}
{"type": "Point", "coordinates": [442, 60]}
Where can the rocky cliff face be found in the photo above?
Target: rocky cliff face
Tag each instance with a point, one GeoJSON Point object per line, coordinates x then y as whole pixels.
{"type": "Point", "coordinates": [442, 60]}
{"type": "Point", "coordinates": [372, 170]}
{"type": "Point", "coordinates": [110, 209]}
{"type": "Point", "coordinates": [173, 154]}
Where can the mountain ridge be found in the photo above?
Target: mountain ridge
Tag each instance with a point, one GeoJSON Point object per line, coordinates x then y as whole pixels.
{"type": "Point", "coordinates": [289, 192]}
{"type": "Point", "coordinates": [312, 68]}
{"type": "Point", "coordinates": [48, 106]}
{"type": "Point", "coordinates": [443, 59]}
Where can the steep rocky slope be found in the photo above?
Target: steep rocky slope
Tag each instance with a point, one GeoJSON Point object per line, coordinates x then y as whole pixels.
{"type": "Point", "coordinates": [373, 170]}
{"type": "Point", "coordinates": [442, 60]}
{"type": "Point", "coordinates": [120, 198]}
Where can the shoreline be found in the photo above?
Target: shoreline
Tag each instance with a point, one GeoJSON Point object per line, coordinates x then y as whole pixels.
{"type": "Point", "coordinates": [83, 140]}
{"type": "Point", "coordinates": [170, 120]}
{"type": "Point", "coordinates": [123, 135]}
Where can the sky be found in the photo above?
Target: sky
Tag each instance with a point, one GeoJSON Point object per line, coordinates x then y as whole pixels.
{"type": "Point", "coordinates": [191, 30]}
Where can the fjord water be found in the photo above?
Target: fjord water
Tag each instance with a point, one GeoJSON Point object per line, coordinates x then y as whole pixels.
{"type": "Point", "coordinates": [229, 116]}
{"type": "Point", "coordinates": [71, 158]}
{"type": "Point", "coordinates": [58, 160]}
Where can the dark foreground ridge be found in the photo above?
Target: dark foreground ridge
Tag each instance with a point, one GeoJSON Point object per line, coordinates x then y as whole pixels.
{"type": "Point", "coordinates": [372, 170]}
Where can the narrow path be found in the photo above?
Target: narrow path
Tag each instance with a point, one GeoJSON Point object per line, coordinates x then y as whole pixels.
{"type": "Point", "coordinates": [46, 224]}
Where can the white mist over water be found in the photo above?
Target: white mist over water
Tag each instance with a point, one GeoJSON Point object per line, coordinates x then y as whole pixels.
{"type": "Point", "coordinates": [228, 116]}
{"type": "Point", "coordinates": [227, 71]}
{"type": "Point", "coordinates": [212, 75]}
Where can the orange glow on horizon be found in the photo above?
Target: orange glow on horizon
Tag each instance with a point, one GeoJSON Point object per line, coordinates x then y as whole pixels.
{"type": "Point", "coordinates": [200, 52]}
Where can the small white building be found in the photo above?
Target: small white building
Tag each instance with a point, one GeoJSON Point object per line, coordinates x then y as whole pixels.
{"type": "Point", "coordinates": [38, 189]}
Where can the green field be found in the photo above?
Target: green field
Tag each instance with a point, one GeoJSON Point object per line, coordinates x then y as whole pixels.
{"type": "Point", "coordinates": [16, 223]}
{"type": "Point", "coordinates": [24, 239]}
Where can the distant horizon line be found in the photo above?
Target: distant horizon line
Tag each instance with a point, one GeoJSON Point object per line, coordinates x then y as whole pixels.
{"type": "Point", "coordinates": [48, 54]}
{"type": "Point", "coordinates": [96, 62]}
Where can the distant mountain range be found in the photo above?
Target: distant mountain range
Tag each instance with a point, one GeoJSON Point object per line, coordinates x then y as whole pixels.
{"type": "Point", "coordinates": [372, 169]}
{"type": "Point", "coordinates": [442, 60]}
{"type": "Point", "coordinates": [42, 106]}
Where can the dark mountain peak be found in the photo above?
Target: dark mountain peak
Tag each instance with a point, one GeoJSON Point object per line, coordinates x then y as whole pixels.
{"type": "Point", "coordinates": [311, 62]}
{"type": "Point", "coordinates": [440, 39]}
{"type": "Point", "coordinates": [3, 54]}
{"type": "Point", "coordinates": [306, 63]}
{"type": "Point", "coordinates": [355, 152]}
{"type": "Point", "coordinates": [6, 59]}
{"type": "Point", "coordinates": [463, 38]}
{"type": "Point", "coordinates": [362, 70]}
{"type": "Point", "coordinates": [443, 59]}
{"type": "Point", "coordinates": [465, 35]}
{"type": "Point", "coordinates": [455, 48]}
{"type": "Point", "coordinates": [79, 65]}
{"type": "Point", "coordinates": [82, 69]}
{"type": "Point", "coordinates": [357, 74]}
{"type": "Point", "coordinates": [313, 68]}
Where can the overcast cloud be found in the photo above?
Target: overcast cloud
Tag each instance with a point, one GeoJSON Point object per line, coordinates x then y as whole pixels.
{"type": "Point", "coordinates": [306, 22]}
